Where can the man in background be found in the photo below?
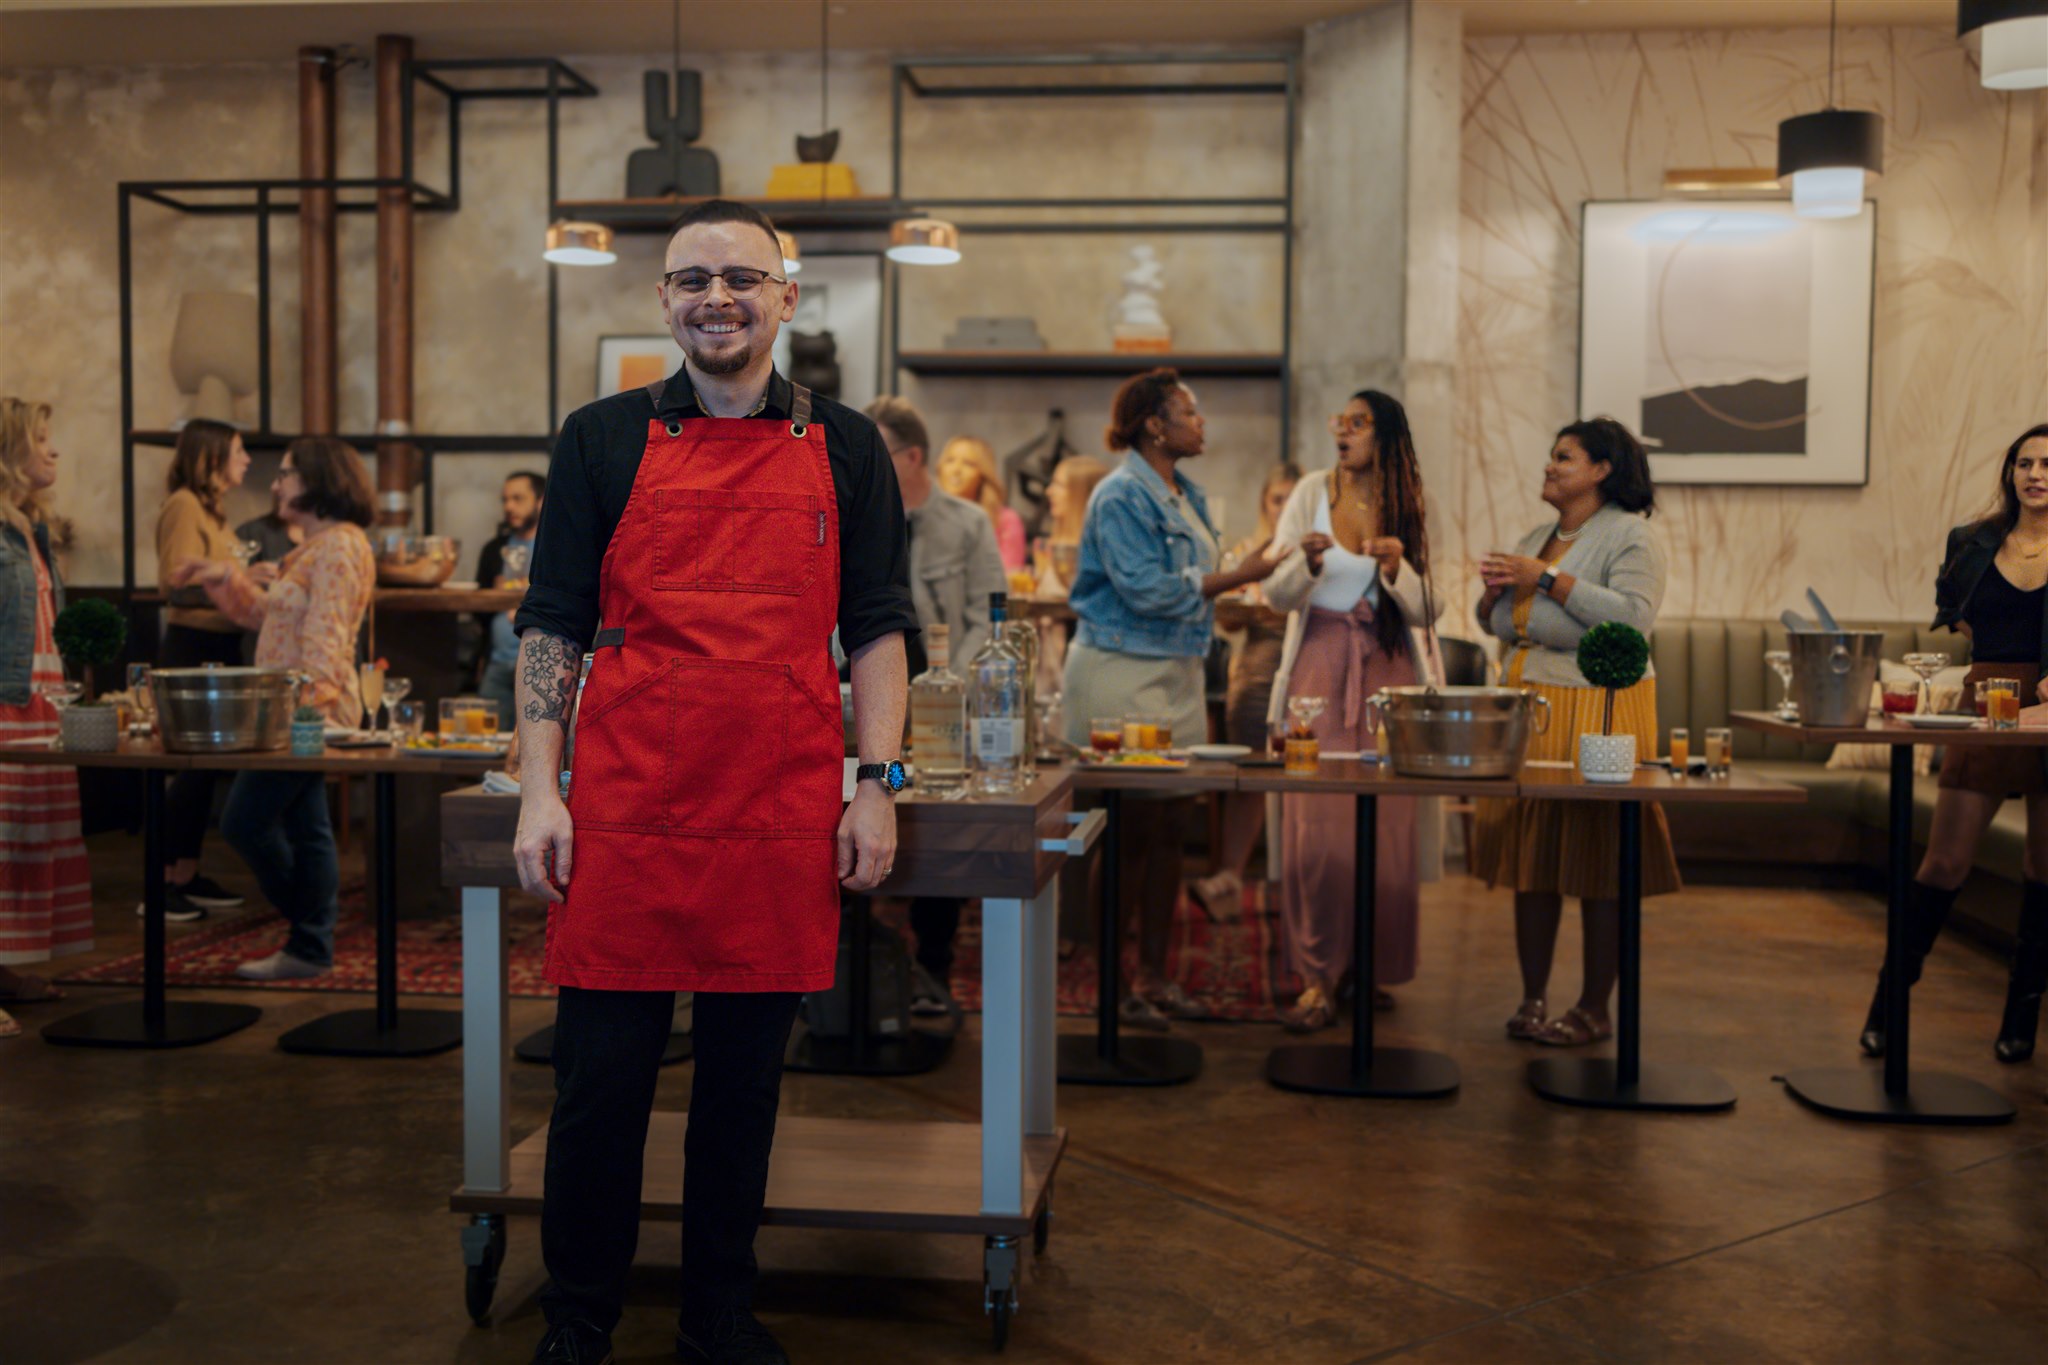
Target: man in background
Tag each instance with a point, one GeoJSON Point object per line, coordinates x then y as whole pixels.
{"type": "Point", "coordinates": [954, 566]}
{"type": "Point", "coordinates": [507, 562]}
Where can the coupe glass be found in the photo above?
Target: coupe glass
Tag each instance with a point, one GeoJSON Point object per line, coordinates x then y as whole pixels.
{"type": "Point", "coordinates": [61, 694]}
{"type": "Point", "coordinates": [1780, 661]}
{"type": "Point", "coordinates": [396, 690]}
{"type": "Point", "coordinates": [1926, 664]}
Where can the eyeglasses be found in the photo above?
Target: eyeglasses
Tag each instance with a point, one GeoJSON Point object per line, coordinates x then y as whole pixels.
{"type": "Point", "coordinates": [1350, 424]}
{"type": "Point", "coordinates": [740, 284]}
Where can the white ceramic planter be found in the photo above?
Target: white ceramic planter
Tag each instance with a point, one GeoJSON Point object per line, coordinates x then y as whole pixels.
{"type": "Point", "coordinates": [90, 729]}
{"type": "Point", "coordinates": [1607, 758]}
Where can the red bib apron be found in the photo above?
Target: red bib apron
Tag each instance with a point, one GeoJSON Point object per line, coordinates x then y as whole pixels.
{"type": "Point", "coordinates": [709, 749]}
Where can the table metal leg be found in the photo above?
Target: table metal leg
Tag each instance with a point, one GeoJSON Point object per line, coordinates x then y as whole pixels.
{"type": "Point", "coordinates": [1361, 1069]}
{"type": "Point", "coordinates": [1003, 1051]}
{"type": "Point", "coordinates": [1622, 1081]}
{"type": "Point", "coordinates": [386, 1030]}
{"type": "Point", "coordinates": [1108, 1058]}
{"type": "Point", "coordinates": [862, 1052]}
{"type": "Point", "coordinates": [1041, 1009]}
{"type": "Point", "coordinates": [486, 1020]}
{"type": "Point", "coordinates": [153, 1021]}
{"type": "Point", "coordinates": [1896, 1095]}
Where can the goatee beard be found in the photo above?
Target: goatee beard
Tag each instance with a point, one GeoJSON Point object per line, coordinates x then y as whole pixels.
{"type": "Point", "coordinates": [725, 364]}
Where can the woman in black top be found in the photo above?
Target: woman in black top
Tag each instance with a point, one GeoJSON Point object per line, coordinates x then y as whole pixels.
{"type": "Point", "coordinates": [1994, 588]}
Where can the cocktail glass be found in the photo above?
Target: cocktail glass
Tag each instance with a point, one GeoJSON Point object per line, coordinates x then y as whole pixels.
{"type": "Point", "coordinates": [1926, 664]}
{"type": "Point", "coordinates": [1780, 661]}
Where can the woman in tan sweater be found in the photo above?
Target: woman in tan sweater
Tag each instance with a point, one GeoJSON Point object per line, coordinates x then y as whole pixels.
{"type": "Point", "coordinates": [192, 527]}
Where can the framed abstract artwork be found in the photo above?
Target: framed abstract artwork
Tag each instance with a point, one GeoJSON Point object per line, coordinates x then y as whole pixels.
{"type": "Point", "coordinates": [1733, 336]}
{"type": "Point", "coordinates": [634, 362]}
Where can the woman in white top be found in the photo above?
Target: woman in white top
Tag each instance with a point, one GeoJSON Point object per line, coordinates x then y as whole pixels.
{"type": "Point", "coordinates": [1363, 618]}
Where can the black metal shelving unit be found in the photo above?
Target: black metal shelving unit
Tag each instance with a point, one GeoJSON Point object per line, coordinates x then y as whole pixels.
{"type": "Point", "coordinates": [1082, 216]}
{"type": "Point", "coordinates": [264, 199]}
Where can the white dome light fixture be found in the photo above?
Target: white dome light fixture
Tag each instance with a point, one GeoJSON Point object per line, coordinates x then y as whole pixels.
{"type": "Point", "coordinates": [2015, 41]}
{"type": "Point", "coordinates": [923, 241]}
{"type": "Point", "coordinates": [1827, 157]}
{"type": "Point", "coordinates": [792, 260]}
{"type": "Point", "coordinates": [570, 242]}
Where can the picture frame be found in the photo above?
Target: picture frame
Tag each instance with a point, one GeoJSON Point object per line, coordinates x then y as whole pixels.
{"type": "Point", "coordinates": [1733, 336]}
{"type": "Point", "coordinates": [841, 292]}
{"type": "Point", "coordinates": [633, 362]}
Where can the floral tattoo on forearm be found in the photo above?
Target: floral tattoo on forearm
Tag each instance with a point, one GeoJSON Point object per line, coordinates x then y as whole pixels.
{"type": "Point", "coordinates": [547, 672]}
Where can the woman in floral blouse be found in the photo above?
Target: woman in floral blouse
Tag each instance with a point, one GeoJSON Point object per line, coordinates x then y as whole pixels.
{"type": "Point", "coordinates": [308, 619]}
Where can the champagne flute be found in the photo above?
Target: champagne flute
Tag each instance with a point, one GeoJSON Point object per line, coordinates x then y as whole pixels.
{"type": "Point", "coordinates": [371, 676]}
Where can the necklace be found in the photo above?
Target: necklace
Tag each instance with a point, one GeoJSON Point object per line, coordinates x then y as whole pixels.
{"type": "Point", "coordinates": [1569, 536]}
{"type": "Point", "coordinates": [2034, 553]}
{"type": "Point", "coordinates": [1358, 499]}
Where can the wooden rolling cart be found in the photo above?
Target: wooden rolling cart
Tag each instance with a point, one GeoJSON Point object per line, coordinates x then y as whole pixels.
{"type": "Point", "coordinates": [992, 1179]}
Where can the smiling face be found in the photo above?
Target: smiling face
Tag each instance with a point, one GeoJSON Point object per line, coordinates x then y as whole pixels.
{"type": "Point", "coordinates": [237, 464]}
{"type": "Point", "coordinates": [959, 474]}
{"type": "Point", "coordinates": [40, 469]}
{"type": "Point", "coordinates": [1179, 429]}
{"type": "Point", "coordinates": [1571, 473]}
{"type": "Point", "coordinates": [2030, 475]}
{"type": "Point", "coordinates": [719, 333]}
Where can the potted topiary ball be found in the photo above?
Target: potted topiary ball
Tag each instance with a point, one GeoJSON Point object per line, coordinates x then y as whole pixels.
{"type": "Point", "coordinates": [90, 634]}
{"type": "Point", "coordinates": [1612, 657]}
{"type": "Point", "coordinates": [309, 732]}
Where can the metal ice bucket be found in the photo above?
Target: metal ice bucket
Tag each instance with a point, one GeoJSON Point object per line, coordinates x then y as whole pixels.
{"type": "Point", "coordinates": [1458, 731]}
{"type": "Point", "coordinates": [1832, 674]}
{"type": "Point", "coordinates": [216, 710]}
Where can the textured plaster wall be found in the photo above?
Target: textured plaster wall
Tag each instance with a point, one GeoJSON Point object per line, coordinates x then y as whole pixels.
{"type": "Point", "coordinates": [1960, 361]}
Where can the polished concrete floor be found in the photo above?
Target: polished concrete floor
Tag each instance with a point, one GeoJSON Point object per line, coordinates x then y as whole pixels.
{"type": "Point", "coordinates": [233, 1203]}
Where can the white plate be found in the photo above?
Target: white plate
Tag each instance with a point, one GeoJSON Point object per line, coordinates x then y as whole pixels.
{"type": "Point", "coordinates": [1941, 722]}
{"type": "Point", "coordinates": [1219, 750]}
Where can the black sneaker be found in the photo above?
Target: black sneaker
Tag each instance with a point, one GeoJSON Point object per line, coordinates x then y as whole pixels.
{"type": "Point", "coordinates": [927, 997]}
{"type": "Point", "coordinates": [734, 1337]}
{"type": "Point", "coordinates": [575, 1342]}
{"type": "Point", "coordinates": [177, 909]}
{"type": "Point", "coordinates": [206, 891]}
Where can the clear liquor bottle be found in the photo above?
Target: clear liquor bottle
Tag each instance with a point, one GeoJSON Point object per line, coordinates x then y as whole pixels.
{"type": "Point", "coordinates": [1023, 637]}
{"type": "Point", "coordinates": [996, 709]}
{"type": "Point", "coordinates": [938, 721]}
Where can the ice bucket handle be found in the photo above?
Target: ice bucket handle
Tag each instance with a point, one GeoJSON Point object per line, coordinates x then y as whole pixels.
{"type": "Point", "coordinates": [1541, 716]}
{"type": "Point", "coordinates": [1375, 712]}
{"type": "Point", "coordinates": [1839, 659]}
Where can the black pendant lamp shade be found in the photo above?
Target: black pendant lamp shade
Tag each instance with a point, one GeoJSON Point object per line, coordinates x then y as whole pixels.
{"type": "Point", "coordinates": [1829, 139]}
{"type": "Point", "coordinates": [2015, 41]}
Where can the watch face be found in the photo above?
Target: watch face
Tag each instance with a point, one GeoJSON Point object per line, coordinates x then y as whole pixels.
{"type": "Point", "coordinates": [895, 777]}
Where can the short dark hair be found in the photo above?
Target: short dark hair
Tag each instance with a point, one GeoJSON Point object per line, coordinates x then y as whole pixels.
{"type": "Point", "coordinates": [902, 421]}
{"type": "Point", "coordinates": [726, 211]}
{"type": "Point", "coordinates": [1608, 442]}
{"type": "Point", "coordinates": [331, 475]}
{"type": "Point", "coordinates": [537, 482]}
{"type": "Point", "coordinates": [1142, 397]}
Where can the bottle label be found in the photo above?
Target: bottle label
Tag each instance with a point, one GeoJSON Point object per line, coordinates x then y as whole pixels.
{"type": "Point", "coordinates": [998, 741]}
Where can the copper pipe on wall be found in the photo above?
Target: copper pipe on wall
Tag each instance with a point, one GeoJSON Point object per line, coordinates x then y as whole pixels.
{"type": "Point", "coordinates": [318, 353]}
{"type": "Point", "coordinates": [397, 461]}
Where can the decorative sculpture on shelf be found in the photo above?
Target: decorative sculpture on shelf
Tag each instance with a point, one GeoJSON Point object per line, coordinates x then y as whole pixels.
{"type": "Point", "coordinates": [1138, 324]}
{"type": "Point", "coordinates": [213, 352]}
{"type": "Point", "coordinates": [673, 167]}
{"type": "Point", "coordinates": [815, 175]}
{"type": "Point", "coordinates": [814, 362]}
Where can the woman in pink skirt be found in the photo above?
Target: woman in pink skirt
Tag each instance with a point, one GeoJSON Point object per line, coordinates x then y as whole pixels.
{"type": "Point", "coordinates": [45, 885]}
{"type": "Point", "coordinates": [1363, 618]}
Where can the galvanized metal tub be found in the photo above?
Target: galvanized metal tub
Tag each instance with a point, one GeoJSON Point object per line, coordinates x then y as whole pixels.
{"type": "Point", "coordinates": [1458, 731]}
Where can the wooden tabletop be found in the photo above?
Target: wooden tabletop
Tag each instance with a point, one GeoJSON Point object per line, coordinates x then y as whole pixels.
{"type": "Point", "coordinates": [1558, 781]}
{"type": "Point", "coordinates": [1888, 731]}
{"type": "Point", "coordinates": [1350, 777]}
{"type": "Point", "coordinates": [449, 599]}
{"type": "Point", "coordinates": [1201, 775]}
{"type": "Point", "coordinates": [148, 753]}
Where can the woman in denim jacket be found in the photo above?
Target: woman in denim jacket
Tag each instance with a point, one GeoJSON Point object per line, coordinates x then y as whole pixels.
{"type": "Point", "coordinates": [1143, 595]}
{"type": "Point", "coordinates": [45, 884]}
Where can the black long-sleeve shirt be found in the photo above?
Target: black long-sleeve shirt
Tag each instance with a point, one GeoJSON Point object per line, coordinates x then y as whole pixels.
{"type": "Point", "coordinates": [597, 457]}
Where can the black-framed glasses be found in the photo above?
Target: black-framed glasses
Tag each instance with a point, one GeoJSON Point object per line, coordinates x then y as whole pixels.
{"type": "Point", "coordinates": [739, 283]}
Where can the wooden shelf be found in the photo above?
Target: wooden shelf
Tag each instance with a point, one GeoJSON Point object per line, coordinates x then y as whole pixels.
{"type": "Point", "coordinates": [817, 215]}
{"type": "Point", "coordinates": [278, 440]}
{"type": "Point", "coordinates": [1088, 364]}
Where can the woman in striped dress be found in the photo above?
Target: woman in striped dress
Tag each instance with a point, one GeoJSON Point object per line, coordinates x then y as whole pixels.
{"type": "Point", "coordinates": [1595, 562]}
{"type": "Point", "coordinates": [45, 886]}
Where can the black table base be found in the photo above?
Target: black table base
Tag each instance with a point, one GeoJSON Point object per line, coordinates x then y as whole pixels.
{"type": "Point", "coordinates": [1394, 1073]}
{"type": "Point", "coordinates": [366, 1033]}
{"type": "Point", "coordinates": [1136, 1061]}
{"type": "Point", "coordinates": [179, 1024]}
{"type": "Point", "coordinates": [1931, 1097]}
{"type": "Point", "coordinates": [539, 1046]}
{"type": "Point", "coordinates": [1595, 1083]}
{"type": "Point", "coordinates": [1109, 1058]}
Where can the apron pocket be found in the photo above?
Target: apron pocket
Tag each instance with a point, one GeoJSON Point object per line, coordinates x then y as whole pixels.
{"type": "Point", "coordinates": [729, 730]}
{"type": "Point", "coordinates": [623, 760]}
{"type": "Point", "coordinates": [720, 540]}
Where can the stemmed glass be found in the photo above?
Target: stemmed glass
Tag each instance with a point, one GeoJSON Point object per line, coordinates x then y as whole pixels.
{"type": "Point", "coordinates": [246, 551]}
{"type": "Point", "coordinates": [1780, 661]}
{"type": "Point", "coordinates": [62, 693]}
{"type": "Point", "coordinates": [144, 697]}
{"type": "Point", "coordinates": [1926, 664]}
{"type": "Point", "coordinates": [395, 691]}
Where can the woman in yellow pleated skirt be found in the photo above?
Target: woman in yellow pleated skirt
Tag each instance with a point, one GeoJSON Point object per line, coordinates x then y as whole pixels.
{"type": "Point", "coordinates": [1596, 562]}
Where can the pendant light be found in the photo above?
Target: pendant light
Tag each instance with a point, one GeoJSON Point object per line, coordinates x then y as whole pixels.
{"type": "Point", "coordinates": [791, 260]}
{"type": "Point", "coordinates": [1826, 157]}
{"type": "Point", "coordinates": [571, 242]}
{"type": "Point", "coordinates": [2015, 41]}
{"type": "Point", "coordinates": [923, 241]}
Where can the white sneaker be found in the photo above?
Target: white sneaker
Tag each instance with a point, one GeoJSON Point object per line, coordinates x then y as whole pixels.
{"type": "Point", "coordinates": [280, 966]}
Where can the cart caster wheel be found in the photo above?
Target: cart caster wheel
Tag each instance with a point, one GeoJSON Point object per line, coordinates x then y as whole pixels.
{"type": "Point", "coordinates": [483, 1251]}
{"type": "Point", "coordinates": [999, 1286]}
{"type": "Point", "coordinates": [999, 1324]}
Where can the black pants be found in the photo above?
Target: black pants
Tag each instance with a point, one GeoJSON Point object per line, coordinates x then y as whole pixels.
{"type": "Point", "coordinates": [935, 920]}
{"type": "Point", "coordinates": [608, 1047]}
{"type": "Point", "coordinates": [188, 804]}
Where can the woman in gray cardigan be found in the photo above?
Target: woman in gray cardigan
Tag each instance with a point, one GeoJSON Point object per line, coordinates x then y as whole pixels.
{"type": "Point", "coordinates": [1595, 562]}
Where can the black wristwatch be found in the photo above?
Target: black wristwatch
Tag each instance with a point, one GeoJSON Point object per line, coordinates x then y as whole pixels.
{"type": "Point", "coordinates": [1546, 581]}
{"type": "Point", "coordinates": [890, 775]}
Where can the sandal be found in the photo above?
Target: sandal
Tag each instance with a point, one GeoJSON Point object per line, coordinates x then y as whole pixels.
{"type": "Point", "coordinates": [1172, 1000]}
{"type": "Point", "coordinates": [1528, 1020]}
{"type": "Point", "coordinates": [1574, 1028]}
{"type": "Point", "coordinates": [1311, 1013]}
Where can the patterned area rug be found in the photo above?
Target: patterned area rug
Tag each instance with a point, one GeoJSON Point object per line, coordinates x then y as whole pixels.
{"type": "Point", "coordinates": [1238, 969]}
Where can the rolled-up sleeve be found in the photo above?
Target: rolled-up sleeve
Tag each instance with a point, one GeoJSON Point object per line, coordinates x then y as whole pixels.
{"type": "Point", "coordinates": [1632, 594]}
{"type": "Point", "coordinates": [569, 545]}
{"type": "Point", "coordinates": [874, 552]}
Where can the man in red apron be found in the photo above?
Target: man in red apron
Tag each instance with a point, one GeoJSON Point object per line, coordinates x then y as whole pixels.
{"type": "Point", "coordinates": [702, 537]}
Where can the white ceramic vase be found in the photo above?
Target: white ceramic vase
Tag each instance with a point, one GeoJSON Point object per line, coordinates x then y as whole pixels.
{"type": "Point", "coordinates": [90, 729]}
{"type": "Point", "coordinates": [1607, 758]}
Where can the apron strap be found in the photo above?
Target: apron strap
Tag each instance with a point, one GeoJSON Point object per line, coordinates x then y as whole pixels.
{"type": "Point", "coordinates": [610, 638]}
{"type": "Point", "coordinates": [654, 392]}
{"type": "Point", "coordinates": [799, 410]}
